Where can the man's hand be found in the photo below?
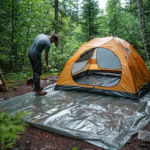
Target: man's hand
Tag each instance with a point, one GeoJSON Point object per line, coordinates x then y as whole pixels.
{"type": "Point", "coordinates": [46, 59]}
{"type": "Point", "coordinates": [49, 66]}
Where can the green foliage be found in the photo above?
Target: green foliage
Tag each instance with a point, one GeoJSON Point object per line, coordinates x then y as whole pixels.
{"type": "Point", "coordinates": [9, 127]}
{"type": "Point", "coordinates": [89, 23]}
{"type": "Point", "coordinates": [22, 21]}
{"type": "Point", "coordinates": [74, 148]}
{"type": "Point", "coordinates": [147, 63]}
{"type": "Point", "coordinates": [146, 4]}
{"type": "Point", "coordinates": [130, 26]}
{"type": "Point", "coordinates": [45, 69]}
{"type": "Point", "coordinates": [70, 8]}
{"type": "Point", "coordinates": [45, 76]}
{"type": "Point", "coordinates": [113, 10]}
{"type": "Point", "coordinates": [16, 78]}
{"type": "Point", "coordinates": [59, 56]}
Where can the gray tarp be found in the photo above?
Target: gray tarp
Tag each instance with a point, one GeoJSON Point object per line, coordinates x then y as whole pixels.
{"type": "Point", "coordinates": [98, 80]}
{"type": "Point", "coordinates": [105, 121]}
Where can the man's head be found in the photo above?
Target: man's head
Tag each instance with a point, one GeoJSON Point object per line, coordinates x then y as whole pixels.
{"type": "Point", "coordinates": [54, 38]}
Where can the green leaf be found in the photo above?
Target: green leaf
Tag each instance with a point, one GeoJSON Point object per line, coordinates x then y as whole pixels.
{"type": "Point", "coordinates": [74, 148]}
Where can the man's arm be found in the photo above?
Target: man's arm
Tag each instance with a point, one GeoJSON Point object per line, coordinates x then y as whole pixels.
{"type": "Point", "coordinates": [46, 59]}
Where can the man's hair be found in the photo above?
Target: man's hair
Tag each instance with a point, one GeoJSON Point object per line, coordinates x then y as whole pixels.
{"type": "Point", "coordinates": [55, 37]}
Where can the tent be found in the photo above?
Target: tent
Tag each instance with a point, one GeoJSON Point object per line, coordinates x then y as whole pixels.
{"type": "Point", "coordinates": [108, 66]}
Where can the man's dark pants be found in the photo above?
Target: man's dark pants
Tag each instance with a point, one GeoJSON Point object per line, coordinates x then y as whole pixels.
{"type": "Point", "coordinates": [37, 70]}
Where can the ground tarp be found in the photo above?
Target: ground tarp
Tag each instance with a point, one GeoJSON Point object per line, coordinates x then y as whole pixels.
{"type": "Point", "coordinates": [98, 80]}
{"type": "Point", "coordinates": [105, 121]}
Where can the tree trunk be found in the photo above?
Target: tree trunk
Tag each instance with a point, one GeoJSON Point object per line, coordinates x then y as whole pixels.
{"type": "Point", "coordinates": [12, 36]}
{"type": "Point", "coordinates": [89, 21]}
{"type": "Point", "coordinates": [56, 18]}
{"type": "Point", "coordinates": [143, 28]}
{"type": "Point", "coordinates": [4, 86]}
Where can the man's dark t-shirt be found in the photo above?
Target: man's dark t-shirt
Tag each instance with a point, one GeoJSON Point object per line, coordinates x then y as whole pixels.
{"type": "Point", "coordinates": [41, 42]}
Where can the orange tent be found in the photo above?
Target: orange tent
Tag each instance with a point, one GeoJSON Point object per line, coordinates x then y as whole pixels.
{"type": "Point", "coordinates": [109, 66]}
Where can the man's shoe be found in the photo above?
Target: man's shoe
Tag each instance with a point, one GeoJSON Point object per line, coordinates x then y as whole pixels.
{"type": "Point", "coordinates": [40, 93]}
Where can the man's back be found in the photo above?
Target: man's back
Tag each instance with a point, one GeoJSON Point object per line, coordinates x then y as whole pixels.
{"type": "Point", "coordinates": [41, 42]}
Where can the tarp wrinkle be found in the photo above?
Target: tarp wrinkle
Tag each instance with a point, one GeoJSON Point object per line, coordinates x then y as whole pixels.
{"type": "Point", "coordinates": [105, 121]}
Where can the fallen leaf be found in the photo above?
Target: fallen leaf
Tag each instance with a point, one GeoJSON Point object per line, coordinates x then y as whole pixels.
{"type": "Point", "coordinates": [33, 120]}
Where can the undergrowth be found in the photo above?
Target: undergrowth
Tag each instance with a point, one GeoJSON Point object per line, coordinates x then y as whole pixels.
{"type": "Point", "coordinates": [45, 76]}
{"type": "Point", "coordinates": [21, 77]}
{"type": "Point", "coordinates": [9, 127]}
{"type": "Point", "coordinates": [17, 78]}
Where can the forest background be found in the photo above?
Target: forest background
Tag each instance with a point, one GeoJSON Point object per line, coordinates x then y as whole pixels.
{"type": "Point", "coordinates": [75, 21]}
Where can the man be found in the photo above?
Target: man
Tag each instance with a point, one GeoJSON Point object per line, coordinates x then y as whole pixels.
{"type": "Point", "coordinates": [40, 43]}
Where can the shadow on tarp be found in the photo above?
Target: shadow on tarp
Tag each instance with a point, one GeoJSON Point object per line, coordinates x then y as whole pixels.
{"type": "Point", "coordinates": [105, 121]}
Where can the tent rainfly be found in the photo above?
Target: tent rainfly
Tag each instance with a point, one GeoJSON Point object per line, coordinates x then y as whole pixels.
{"type": "Point", "coordinates": [108, 66]}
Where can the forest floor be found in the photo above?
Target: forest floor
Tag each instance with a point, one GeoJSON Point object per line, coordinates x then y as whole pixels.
{"type": "Point", "coordinates": [37, 139]}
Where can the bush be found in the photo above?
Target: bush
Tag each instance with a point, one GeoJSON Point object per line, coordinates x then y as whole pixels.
{"type": "Point", "coordinates": [147, 63]}
{"type": "Point", "coordinates": [9, 127]}
{"type": "Point", "coordinates": [59, 56]}
{"type": "Point", "coordinates": [45, 69]}
{"type": "Point", "coordinates": [20, 76]}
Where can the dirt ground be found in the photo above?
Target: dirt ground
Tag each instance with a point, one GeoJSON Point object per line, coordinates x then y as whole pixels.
{"type": "Point", "coordinates": [37, 139]}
